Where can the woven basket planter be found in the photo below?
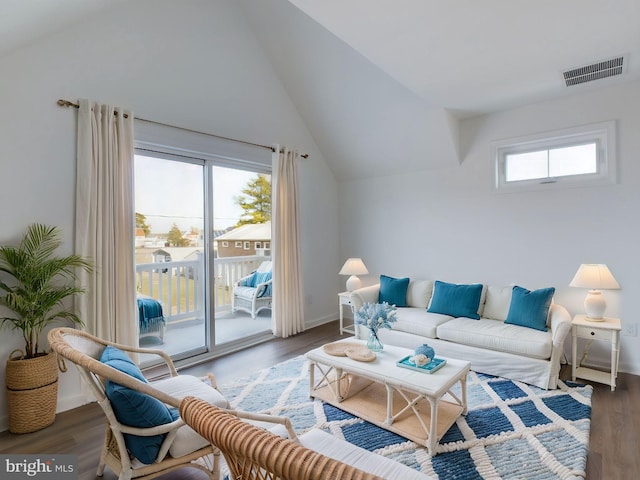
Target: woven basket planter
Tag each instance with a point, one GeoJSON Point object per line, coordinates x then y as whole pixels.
{"type": "Point", "coordinates": [32, 392]}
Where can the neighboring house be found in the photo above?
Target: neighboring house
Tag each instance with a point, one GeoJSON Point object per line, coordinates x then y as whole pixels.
{"type": "Point", "coordinates": [175, 254]}
{"type": "Point", "coordinates": [250, 239]}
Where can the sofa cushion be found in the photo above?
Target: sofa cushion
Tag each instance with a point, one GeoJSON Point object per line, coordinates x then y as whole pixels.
{"type": "Point", "coordinates": [345, 452]}
{"type": "Point", "coordinates": [457, 300]}
{"type": "Point", "coordinates": [497, 303]}
{"type": "Point", "coordinates": [417, 321]}
{"type": "Point", "coordinates": [530, 308]}
{"type": "Point", "coordinates": [492, 335]}
{"type": "Point", "coordinates": [393, 290]}
{"type": "Point", "coordinates": [419, 293]}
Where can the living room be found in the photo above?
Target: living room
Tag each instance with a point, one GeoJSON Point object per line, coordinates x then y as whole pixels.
{"type": "Point", "coordinates": [407, 188]}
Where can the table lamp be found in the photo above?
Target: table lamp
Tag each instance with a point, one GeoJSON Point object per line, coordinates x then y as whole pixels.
{"type": "Point", "coordinates": [353, 267]}
{"type": "Point", "coordinates": [594, 277]}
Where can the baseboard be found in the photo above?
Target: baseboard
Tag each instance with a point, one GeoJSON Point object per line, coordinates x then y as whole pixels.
{"type": "Point", "coordinates": [319, 321]}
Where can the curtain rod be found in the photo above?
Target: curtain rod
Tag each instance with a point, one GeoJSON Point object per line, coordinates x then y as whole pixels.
{"type": "Point", "coordinates": [67, 103]}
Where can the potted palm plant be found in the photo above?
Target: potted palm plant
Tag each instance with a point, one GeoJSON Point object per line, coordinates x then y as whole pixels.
{"type": "Point", "coordinates": [34, 285]}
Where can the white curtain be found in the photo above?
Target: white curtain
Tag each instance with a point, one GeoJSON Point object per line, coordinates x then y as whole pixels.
{"type": "Point", "coordinates": [105, 221]}
{"type": "Point", "coordinates": [288, 306]}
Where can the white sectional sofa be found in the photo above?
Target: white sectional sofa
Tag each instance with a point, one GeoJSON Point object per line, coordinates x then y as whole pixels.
{"type": "Point", "coordinates": [491, 345]}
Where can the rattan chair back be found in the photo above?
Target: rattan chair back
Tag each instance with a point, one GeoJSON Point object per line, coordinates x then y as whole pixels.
{"type": "Point", "coordinates": [253, 453]}
{"type": "Point", "coordinates": [84, 350]}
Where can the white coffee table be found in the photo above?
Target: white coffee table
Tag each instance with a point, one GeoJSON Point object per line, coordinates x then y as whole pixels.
{"type": "Point", "coordinates": [416, 405]}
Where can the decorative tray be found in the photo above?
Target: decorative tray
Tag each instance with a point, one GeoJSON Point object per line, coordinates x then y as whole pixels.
{"type": "Point", "coordinates": [432, 366]}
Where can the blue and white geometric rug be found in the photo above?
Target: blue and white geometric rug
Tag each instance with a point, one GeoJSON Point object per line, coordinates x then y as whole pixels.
{"type": "Point", "coordinates": [512, 431]}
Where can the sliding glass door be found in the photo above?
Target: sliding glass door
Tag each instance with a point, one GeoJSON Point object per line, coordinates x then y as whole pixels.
{"type": "Point", "coordinates": [200, 228]}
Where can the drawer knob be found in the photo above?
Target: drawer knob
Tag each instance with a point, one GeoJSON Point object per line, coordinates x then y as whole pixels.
{"type": "Point", "coordinates": [593, 333]}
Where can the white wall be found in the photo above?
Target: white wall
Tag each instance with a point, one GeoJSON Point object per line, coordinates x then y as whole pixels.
{"type": "Point", "coordinates": [192, 63]}
{"type": "Point", "coordinates": [448, 224]}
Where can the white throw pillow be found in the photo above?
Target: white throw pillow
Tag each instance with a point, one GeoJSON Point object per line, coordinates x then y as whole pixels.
{"type": "Point", "coordinates": [498, 302]}
{"type": "Point", "coordinates": [419, 293]}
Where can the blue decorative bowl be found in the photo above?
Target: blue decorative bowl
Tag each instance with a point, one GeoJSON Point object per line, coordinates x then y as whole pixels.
{"type": "Point", "coordinates": [425, 350]}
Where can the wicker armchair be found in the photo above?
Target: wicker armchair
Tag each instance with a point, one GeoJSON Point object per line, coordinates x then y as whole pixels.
{"type": "Point", "coordinates": [253, 453]}
{"type": "Point", "coordinates": [180, 447]}
{"type": "Point", "coordinates": [252, 295]}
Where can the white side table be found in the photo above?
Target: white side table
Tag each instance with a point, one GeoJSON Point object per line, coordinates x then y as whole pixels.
{"type": "Point", "coordinates": [607, 330]}
{"type": "Point", "coordinates": [344, 299]}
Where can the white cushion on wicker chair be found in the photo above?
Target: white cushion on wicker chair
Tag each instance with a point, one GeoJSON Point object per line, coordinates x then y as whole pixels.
{"type": "Point", "coordinates": [187, 440]}
{"type": "Point", "coordinates": [345, 452]}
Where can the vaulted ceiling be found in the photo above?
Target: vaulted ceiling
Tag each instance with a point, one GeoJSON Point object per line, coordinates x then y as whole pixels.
{"type": "Point", "coordinates": [383, 86]}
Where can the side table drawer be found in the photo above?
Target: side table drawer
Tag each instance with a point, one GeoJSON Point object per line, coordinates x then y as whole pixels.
{"type": "Point", "coordinates": [594, 333]}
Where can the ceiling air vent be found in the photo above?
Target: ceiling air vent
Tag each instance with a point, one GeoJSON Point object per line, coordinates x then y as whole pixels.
{"type": "Point", "coordinates": [596, 71]}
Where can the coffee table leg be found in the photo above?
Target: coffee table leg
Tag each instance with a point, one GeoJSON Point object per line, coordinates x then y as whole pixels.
{"type": "Point", "coordinates": [338, 390]}
{"type": "Point", "coordinates": [389, 419]}
{"type": "Point", "coordinates": [312, 382]}
{"type": "Point", "coordinates": [463, 387]}
{"type": "Point", "coordinates": [432, 441]}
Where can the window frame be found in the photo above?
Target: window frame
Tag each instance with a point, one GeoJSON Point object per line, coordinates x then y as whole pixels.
{"type": "Point", "coordinates": [603, 134]}
{"type": "Point", "coordinates": [247, 245]}
{"type": "Point", "coordinates": [238, 244]}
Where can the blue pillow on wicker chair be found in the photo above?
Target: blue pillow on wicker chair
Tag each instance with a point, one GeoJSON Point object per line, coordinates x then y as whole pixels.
{"type": "Point", "coordinates": [136, 409]}
{"type": "Point", "coordinates": [265, 290]}
{"type": "Point", "coordinates": [249, 281]}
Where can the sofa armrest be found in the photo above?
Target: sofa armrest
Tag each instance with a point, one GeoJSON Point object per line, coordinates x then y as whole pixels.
{"type": "Point", "coordinates": [560, 323]}
{"type": "Point", "coordinates": [365, 295]}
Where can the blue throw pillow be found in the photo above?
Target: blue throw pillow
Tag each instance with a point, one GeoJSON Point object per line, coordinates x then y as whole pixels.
{"type": "Point", "coordinates": [456, 300]}
{"type": "Point", "coordinates": [530, 308]}
{"type": "Point", "coordinates": [134, 408]}
{"type": "Point", "coordinates": [250, 281]}
{"type": "Point", "coordinates": [265, 290]}
{"type": "Point", "coordinates": [393, 291]}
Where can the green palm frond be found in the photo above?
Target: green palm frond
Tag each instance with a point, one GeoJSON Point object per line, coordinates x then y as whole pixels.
{"type": "Point", "coordinates": [37, 283]}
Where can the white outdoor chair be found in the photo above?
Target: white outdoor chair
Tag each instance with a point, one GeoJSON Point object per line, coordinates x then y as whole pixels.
{"type": "Point", "coordinates": [177, 444]}
{"type": "Point", "coordinates": [252, 293]}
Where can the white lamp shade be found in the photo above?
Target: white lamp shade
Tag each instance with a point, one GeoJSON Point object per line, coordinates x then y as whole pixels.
{"type": "Point", "coordinates": [595, 277]}
{"type": "Point", "coordinates": [353, 267]}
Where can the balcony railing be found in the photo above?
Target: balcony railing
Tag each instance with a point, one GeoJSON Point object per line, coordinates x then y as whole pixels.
{"type": "Point", "coordinates": [180, 285]}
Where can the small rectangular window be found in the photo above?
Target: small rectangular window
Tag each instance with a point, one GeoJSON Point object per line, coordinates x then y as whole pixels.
{"type": "Point", "coordinates": [247, 245]}
{"type": "Point", "coordinates": [574, 156]}
{"type": "Point", "coordinates": [267, 245]}
{"type": "Point", "coordinates": [258, 245]}
{"type": "Point", "coordinates": [225, 244]}
{"type": "Point", "coordinates": [238, 244]}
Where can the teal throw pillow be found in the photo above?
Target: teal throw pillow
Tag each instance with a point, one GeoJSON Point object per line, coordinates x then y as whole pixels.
{"type": "Point", "coordinates": [265, 290]}
{"type": "Point", "coordinates": [530, 308]}
{"type": "Point", "coordinates": [249, 281]}
{"type": "Point", "coordinates": [393, 291]}
{"type": "Point", "coordinates": [134, 408]}
{"type": "Point", "coordinates": [456, 300]}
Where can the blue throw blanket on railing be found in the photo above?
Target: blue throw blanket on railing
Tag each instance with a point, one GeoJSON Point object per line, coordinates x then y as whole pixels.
{"type": "Point", "coordinates": [151, 315]}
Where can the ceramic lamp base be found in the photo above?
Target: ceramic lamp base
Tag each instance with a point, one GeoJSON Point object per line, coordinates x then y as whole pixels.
{"type": "Point", "coordinates": [594, 306]}
{"type": "Point", "coordinates": [353, 283]}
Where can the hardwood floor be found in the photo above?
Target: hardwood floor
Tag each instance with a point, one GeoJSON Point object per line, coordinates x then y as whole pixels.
{"type": "Point", "coordinates": [615, 428]}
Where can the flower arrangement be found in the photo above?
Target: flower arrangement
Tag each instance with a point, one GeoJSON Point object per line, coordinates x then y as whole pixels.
{"type": "Point", "coordinates": [376, 315]}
